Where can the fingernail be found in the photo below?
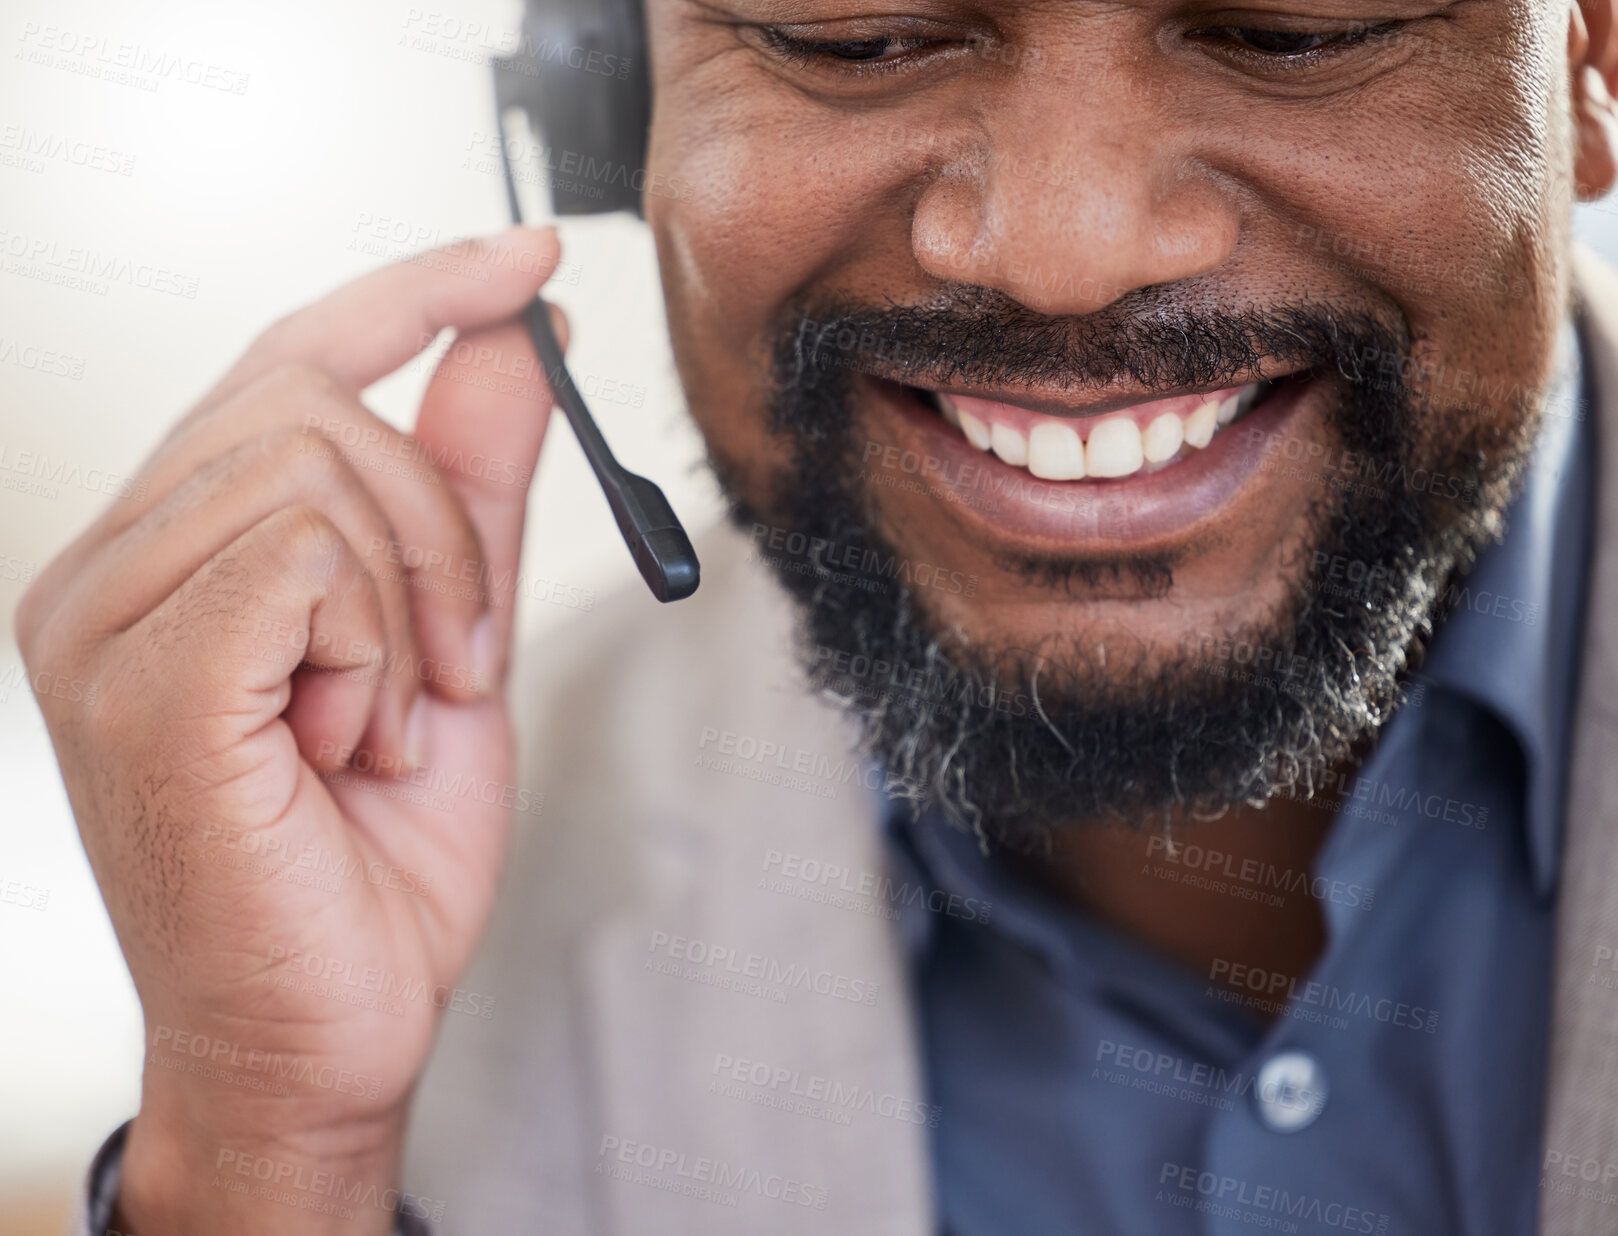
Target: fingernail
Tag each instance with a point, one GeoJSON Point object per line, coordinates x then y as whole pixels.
{"type": "Point", "coordinates": [416, 732]}
{"type": "Point", "coordinates": [534, 229]}
{"type": "Point", "coordinates": [486, 653]}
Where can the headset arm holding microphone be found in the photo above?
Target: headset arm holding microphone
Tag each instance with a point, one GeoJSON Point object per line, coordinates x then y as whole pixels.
{"type": "Point", "coordinates": [610, 116]}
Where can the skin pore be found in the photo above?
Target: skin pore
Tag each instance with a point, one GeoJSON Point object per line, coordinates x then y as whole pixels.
{"type": "Point", "coordinates": [1406, 160]}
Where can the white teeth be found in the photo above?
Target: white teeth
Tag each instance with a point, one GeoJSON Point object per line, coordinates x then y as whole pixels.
{"type": "Point", "coordinates": [1200, 425]}
{"type": "Point", "coordinates": [1055, 452]}
{"type": "Point", "coordinates": [1010, 445]}
{"type": "Point", "coordinates": [1114, 448]}
{"type": "Point", "coordinates": [977, 433]}
{"type": "Point", "coordinates": [1163, 437]}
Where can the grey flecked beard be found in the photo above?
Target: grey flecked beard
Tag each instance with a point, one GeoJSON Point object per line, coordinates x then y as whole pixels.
{"type": "Point", "coordinates": [1015, 743]}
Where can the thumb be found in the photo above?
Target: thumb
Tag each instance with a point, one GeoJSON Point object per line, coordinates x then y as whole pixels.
{"type": "Point", "coordinates": [482, 420]}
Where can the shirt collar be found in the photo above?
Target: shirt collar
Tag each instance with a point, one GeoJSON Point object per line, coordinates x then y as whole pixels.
{"type": "Point", "coordinates": [938, 855]}
{"type": "Point", "coordinates": [1511, 641]}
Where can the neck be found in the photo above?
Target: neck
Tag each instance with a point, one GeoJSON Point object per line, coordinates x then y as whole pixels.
{"type": "Point", "coordinates": [1214, 894]}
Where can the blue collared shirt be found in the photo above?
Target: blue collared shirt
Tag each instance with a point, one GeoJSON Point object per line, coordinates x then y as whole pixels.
{"type": "Point", "coordinates": [1089, 1084]}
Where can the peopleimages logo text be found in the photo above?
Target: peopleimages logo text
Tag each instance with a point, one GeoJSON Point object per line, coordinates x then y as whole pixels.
{"type": "Point", "coordinates": [1191, 1185]}
{"type": "Point", "coordinates": [764, 969]}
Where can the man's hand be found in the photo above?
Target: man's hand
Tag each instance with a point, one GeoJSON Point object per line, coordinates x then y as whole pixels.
{"type": "Point", "coordinates": [294, 780]}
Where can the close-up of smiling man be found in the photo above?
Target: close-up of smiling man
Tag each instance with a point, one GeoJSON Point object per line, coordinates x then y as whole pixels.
{"type": "Point", "coordinates": [1142, 757]}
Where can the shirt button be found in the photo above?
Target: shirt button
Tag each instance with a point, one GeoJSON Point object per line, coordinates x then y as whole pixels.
{"type": "Point", "coordinates": [1290, 1092]}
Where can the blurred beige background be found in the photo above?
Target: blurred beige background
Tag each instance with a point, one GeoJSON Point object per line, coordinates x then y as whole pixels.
{"type": "Point", "coordinates": [311, 129]}
{"type": "Point", "coordinates": [358, 134]}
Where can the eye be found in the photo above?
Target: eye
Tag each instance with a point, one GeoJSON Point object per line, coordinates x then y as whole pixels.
{"type": "Point", "coordinates": [876, 52]}
{"type": "Point", "coordinates": [861, 50]}
{"type": "Point", "coordinates": [1280, 42]}
{"type": "Point", "coordinates": [1280, 46]}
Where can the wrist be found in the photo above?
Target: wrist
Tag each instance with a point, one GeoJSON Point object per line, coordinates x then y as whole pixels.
{"type": "Point", "coordinates": [246, 1178]}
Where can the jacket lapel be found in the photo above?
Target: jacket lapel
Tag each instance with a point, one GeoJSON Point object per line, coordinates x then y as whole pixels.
{"type": "Point", "coordinates": [693, 1031]}
{"type": "Point", "coordinates": [1579, 1181]}
{"type": "Point", "coordinates": [750, 1018]}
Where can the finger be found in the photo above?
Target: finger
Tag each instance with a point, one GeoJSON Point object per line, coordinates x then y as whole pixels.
{"type": "Point", "coordinates": [135, 571]}
{"type": "Point", "coordinates": [488, 441]}
{"type": "Point", "coordinates": [294, 568]}
{"type": "Point", "coordinates": [359, 333]}
{"type": "Point", "coordinates": [436, 551]}
{"type": "Point", "coordinates": [368, 328]}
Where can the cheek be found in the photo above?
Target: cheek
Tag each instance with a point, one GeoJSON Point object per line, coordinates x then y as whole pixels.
{"type": "Point", "coordinates": [726, 258]}
{"type": "Point", "coordinates": [1487, 285]}
{"type": "Point", "coordinates": [770, 202]}
{"type": "Point", "coordinates": [774, 197]}
{"type": "Point", "coordinates": [1449, 200]}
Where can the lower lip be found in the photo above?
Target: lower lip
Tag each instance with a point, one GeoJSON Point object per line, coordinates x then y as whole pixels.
{"type": "Point", "coordinates": [1149, 510]}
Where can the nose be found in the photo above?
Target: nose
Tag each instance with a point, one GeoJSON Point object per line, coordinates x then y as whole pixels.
{"type": "Point", "coordinates": [1069, 198]}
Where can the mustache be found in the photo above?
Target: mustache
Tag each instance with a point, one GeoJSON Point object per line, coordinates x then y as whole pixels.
{"type": "Point", "coordinates": [974, 336]}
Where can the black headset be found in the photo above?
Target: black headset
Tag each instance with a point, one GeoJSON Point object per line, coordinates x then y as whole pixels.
{"type": "Point", "coordinates": [581, 75]}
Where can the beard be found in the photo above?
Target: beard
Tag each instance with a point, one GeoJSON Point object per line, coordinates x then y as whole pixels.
{"type": "Point", "coordinates": [1017, 743]}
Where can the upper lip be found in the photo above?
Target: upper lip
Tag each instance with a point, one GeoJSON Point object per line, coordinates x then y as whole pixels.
{"type": "Point", "coordinates": [1065, 405]}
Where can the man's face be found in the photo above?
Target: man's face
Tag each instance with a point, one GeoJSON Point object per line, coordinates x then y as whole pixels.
{"type": "Point", "coordinates": [1094, 227]}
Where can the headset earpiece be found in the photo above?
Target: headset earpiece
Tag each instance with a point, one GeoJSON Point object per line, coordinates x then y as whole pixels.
{"type": "Point", "coordinates": [582, 77]}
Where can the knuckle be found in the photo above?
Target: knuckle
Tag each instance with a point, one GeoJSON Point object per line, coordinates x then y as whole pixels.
{"type": "Point", "coordinates": [261, 378]}
{"type": "Point", "coordinates": [303, 454]}
{"type": "Point", "coordinates": [307, 536]}
{"type": "Point", "coordinates": [283, 453]}
{"type": "Point", "coordinates": [294, 382]}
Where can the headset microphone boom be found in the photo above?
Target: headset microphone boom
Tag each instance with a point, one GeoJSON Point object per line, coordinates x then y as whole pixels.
{"type": "Point", "coordinates": [580, 76]}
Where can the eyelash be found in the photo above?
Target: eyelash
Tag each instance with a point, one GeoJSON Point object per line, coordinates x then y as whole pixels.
{"type": "Point", "coordinates": [1332, 44]}
{"type": "Point", "coordinates": [807, 53]}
